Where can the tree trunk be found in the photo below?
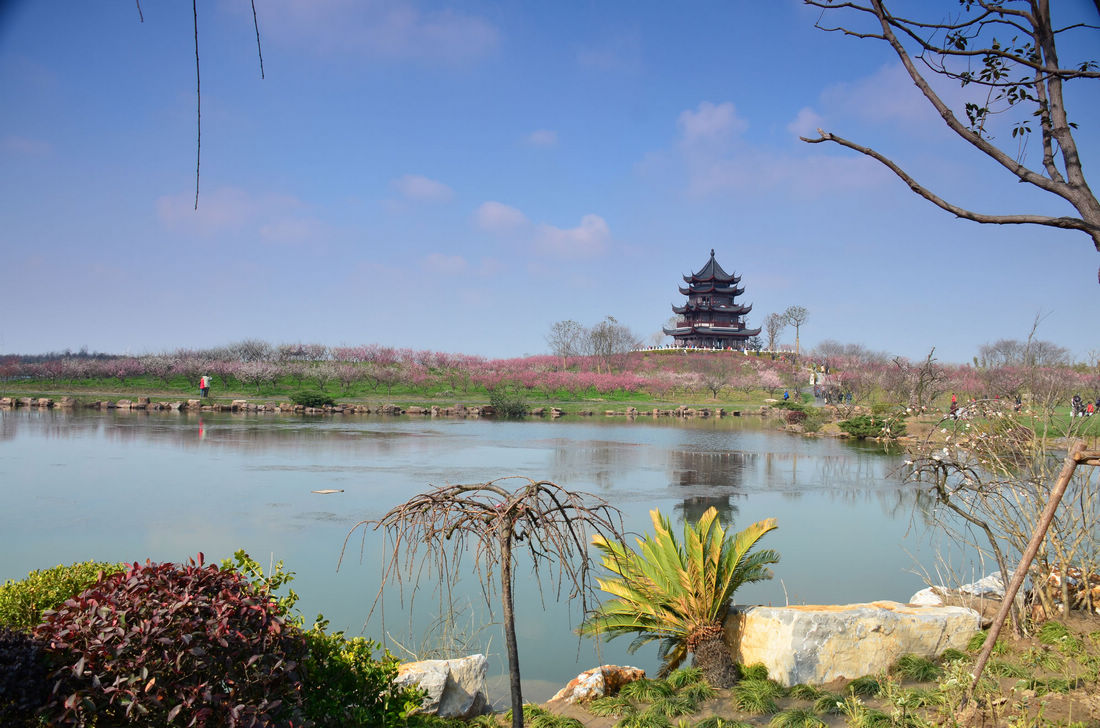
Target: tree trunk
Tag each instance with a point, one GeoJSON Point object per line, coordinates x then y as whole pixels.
{"type": "Point", "coordinates": [713, 657]}
{"type": "Point", "coordinates": [505, 536]}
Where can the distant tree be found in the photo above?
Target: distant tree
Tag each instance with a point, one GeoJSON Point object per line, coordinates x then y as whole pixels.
{"type": "Point", "coordinates": [609, 341]}
{"type": "Point", "coordinates": [754, 343]}
{"type": "Point", "coordinates": [796, 316]}
{"type": "Point", "coordinates": [1005, 50]}
{"type": "Point", "coordinates": [566, 339]}
{"type": "Point", "coordinates": [251, 350]}
{"type": "Point", "coordinates": [716, 371]}
{"type": "Point", "coordinates": [774, 324]}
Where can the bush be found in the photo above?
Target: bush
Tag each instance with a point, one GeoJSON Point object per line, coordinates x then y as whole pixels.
{"type": "Point", "coordinates": [167, 644]}
{"type": "Point", "coordinates": [23, 684]}
{"type": "Point", "coordinates": [864, 426]}
{"type": "Point", "coordinates": [23, 602]}
{"type": "Point", "coordinates": [508, 403]}
{"type": "Point", "coordinates": [312, 398]}
{"type": "Point", "coordinates": [343, 685]}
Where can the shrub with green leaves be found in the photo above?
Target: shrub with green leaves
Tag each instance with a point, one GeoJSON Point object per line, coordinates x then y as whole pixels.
{"type": "Point", "coordinates": [344, 685]}
{"type": "Point", "coordinates": [864, 426]}
{"type": "Point", "coordinates": [508, 404]}
{"type": "Point", "coordinates": [23, 602]}
{"type": "Point", "coordinates": [166, 644]}
{"type": "Point", "coordinates": [312, 398]}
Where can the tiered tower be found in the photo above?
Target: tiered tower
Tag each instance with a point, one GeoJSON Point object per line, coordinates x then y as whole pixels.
{"type": "Point", "coordinates": [711, 317]}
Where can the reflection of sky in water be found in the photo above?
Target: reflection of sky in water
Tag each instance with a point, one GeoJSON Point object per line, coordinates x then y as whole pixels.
{"type": "Point", "coordinates": [123, 486]}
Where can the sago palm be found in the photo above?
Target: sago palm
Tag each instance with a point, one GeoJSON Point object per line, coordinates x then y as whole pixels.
{"type": "Point", "coordinates": [680, 593]}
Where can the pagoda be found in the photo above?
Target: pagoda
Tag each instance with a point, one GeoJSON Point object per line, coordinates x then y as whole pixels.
{"type": "Point", "coordinates": [711, 317]}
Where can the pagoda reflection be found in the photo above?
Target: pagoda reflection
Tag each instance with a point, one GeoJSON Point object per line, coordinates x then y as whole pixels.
{"type": "Point", "coordinates": [714, 479]}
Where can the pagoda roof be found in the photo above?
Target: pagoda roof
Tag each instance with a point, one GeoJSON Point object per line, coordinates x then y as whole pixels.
{"type": "Point", "coordinates": [711, 288]}
{"type": "Point", "coordinates": [737, 309]}
{"type": "Point", "coordinates": [711, 272]}
{"type": "Point", "coordinates": [712, 331]}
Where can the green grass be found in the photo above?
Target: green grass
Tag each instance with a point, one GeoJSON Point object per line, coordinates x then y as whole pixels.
{"type": "Point", "coordinates": [684, 676]}
{"type": "Point", "coordinates": [646, 690]}
{"type": "Point", "coordinates": [755, 671]}
{"type": "Point", "coordinates": [866, 686]}
{"type": "Point", "coordinates": [803, 692]}
{"type": "Point", "coordinates": [699, 692]}
{"type": "Point", "coordinates": [919, 669]}
{"type": "Point", "coordinates": [756, 697]}
{"type": "Point", "coordinates": [829, 704]}
{"type": "Point", "coordinates": [672, 706]}
{"type": "Point", "coordinates": [716, 722]}
{"type": "Point", "coordinates": [618, 705]}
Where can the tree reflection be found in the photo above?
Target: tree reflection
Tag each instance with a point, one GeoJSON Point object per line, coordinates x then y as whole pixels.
{"type": "Point", "coordinates": [718, 474]}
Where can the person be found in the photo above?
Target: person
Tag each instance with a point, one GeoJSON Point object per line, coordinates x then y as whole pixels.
{"type": "Point", "coordinates": [786, 395]}
{"type": "Point", "coordinates": [1075, 408]}
{"type": "Point", "coordinates": [1090, 409]}
{"type": "Point", "coordinates": [204, 385]}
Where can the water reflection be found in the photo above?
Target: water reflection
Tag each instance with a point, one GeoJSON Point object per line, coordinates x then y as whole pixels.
{"type": "Point", "coordinates": [163, 485]}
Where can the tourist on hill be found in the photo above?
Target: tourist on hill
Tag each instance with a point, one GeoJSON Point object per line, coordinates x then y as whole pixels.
{"type": "Point", "coordinates": [204, 385]}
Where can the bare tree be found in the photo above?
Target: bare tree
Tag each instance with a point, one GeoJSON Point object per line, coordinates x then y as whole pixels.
{"type": "Point", "coordinates": [796, 316]}
{"type": "Point", "coordinates": [774, 324]}
{"type": "Point", "coordinates": [609, 341]}
{"type": "Point", "coordinates": [565, 339]}
{"type": "Point", "coordinates": [1006, 51]}
{"type": "Point", "coordinates": [554, 524]}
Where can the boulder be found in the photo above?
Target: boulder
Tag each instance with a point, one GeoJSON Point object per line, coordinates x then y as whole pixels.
{"type": "Point", "coordinates": [538, 412]}
{"type": "Point", "coordinates": [124, 404]}
{"type": "Point", "coordinates": [44, 402]}
{"type": "Point", "coordinates": [818, 644]}
{"type": "Point", "coordinates": [599, 682]}
{"type": "Point", "coordinates": [556, 412]}
{"type": "Point", "coordinates": [239, 404]}
{"type": "Point", "coordinates": [455, 688]}
{"type": "Point", "coordinates": [7, 402]}
{"type": "Point", "coordinates": [414, 410]}
{"type": "Point", "coordinates": [25, 402]}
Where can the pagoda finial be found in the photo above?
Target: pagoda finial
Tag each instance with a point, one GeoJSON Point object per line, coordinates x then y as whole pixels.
{"type": "Point", "coordinates": [712, 252]}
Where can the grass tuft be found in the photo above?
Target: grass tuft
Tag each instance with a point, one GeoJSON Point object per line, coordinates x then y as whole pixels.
{"type": "Point", "coordinates": [1043, 658]}
{"type": "Point", "coordinates": [920, 669]}
{"type": "Point", "coordinates": [1000, 668]}
{"type": "Point", "coordinates": [699, 692]}
{"type": "Point", "coordinates": [644, 720]}
{"type": "Point", "coordinates": [829, 704]}
{"type": "Point", "coordinates": [646, 690]}
{"type": "Point", "coordinates": [796, 718]}
{"type": "Point", "coordinates": [715, 722]}
{"type": "Point", "coordinates": [755, 671]}
{"type": "Point", "coordinates": [756, 697]}
{"type": "Point", "coordinates": [867, 686]}
{"type": "Point", "coordinates": [804, 692]}
{"type": "Point", "coordinates": [1051, 633]}
{"type": "Point", "coordinates": [684, 676]}
{"type": "Point", "coordinates": [618, 705]}
{"type": "Point", "coordinates": [953, 655]}
{"type": "Point", "coordinates": [673, 706]}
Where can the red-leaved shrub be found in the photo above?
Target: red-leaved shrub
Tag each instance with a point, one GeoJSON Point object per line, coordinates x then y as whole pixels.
{"type": "Point", "coordinates": [168, 644]}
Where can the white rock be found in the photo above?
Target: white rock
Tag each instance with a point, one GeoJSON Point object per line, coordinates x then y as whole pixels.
{"type": "Point", "coordinates": [818, 644]}
{"type": "Point", "coordinates": [455, 688]}
{"type": "Point", "coordinates": [599, 682]}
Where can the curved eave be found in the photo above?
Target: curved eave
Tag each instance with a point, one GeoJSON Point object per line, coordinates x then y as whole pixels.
{"type": "Point", "coordinates": [696, 278]}
{"type": "Point", "coordinates": [724, 290]}
{"type": "Point", "coordinates": [711, 331]}
{"type": "Point", "coordinates": [737, 310]}
{"type": "Point", "coordinates": [677, 332]}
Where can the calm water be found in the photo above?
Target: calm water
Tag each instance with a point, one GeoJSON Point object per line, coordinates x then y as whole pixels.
{"type": "Point", "coordinates": [164, 486]}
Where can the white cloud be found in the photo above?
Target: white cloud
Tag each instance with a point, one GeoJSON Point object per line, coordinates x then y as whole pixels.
{"type": "Point", "coordinates": [889, 96]}
{"type": "Point", "coordinates": [710, 124]}
{"type": "Point", "coordinates": [620, 53]}
{"type": "Point", "coordinates": [387, 29]}
{"type": "Point", "coordinates": [587, 240]}
{"type": "Point", "coordinates": [805, 123]}
{"type": "Point", "coordinates": [542, 138]}
{"type": "Point", "coordinates": [418, 188]}
{"type": "Point", "coordinates": [497, 217]}
{"type": "Point", "coordinates": [447, 265]}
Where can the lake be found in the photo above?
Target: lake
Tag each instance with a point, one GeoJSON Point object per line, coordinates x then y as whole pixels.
{"type": "Point", "coordinates": [125, 486]}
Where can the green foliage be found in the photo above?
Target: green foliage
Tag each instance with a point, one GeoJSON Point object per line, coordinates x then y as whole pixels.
{"type": "Point", "coordinates": [311, 398]}
{"type": "Point", "coordinates": [617, 705]}
{"type": "Point", "coordinates": [915, 667]}
{"type": "Point", "coordinates": [272, 582]}
{"type": "Point", "coordinates": [24, 687]}
{"type": "Point", "coordinates": [698, 692]}
{"type": "Point", "coordinates": [796, 718]}
{"type": "Point", "coordinates": [864, 426]}
{"type": "Point", "coordinates": [978, 641]}
{"type": "Point", "coordinates": [644, 720]}
{"type": "Point", "coordinates": [676, 592]}
{"type": "Point", "coordinates": [343, 684]}
{"type": "Point", "coordinates": [1052, 685]}
{"type": "Point", "coordinates": [167, 644]}
{"type": "Point", "coordinates": [23, 602]}
{"type": "Point", "coordinates": [672, 706]}
{"type": "Point", "coordinates": [756, 697]}
{"type": "Point", "coordinates": [508, 403]}
{"type": "Point", "coordinates": [716, 722]}
{"type": "Point", "coordinates": [755, 671]}
{"type": "Point", "coordinates": [684, 676]}
{"type": "Point", "coordinates": [1000, 668]}
{"type": "Point", "coordinates": [1043, 658]}
{"type": "Point", "coordinates": [829, 704]}
{"type": "Point", "coordinates": [646, 690]}
{"type": "Point", "coordinates": [803, 692]}
{"type": "Point", "coordinates": [867, 686]}
{"type": "Point", "coordinates": [952, 655]}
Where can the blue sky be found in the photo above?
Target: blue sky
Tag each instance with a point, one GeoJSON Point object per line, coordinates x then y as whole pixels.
{"type": "Point", "coordinates": [458, 176]}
